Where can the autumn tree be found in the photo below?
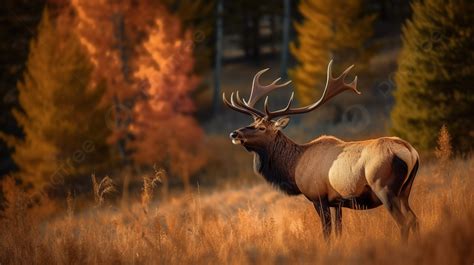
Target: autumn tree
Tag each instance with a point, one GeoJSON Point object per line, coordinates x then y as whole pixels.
{"type": "Point", "coordinates": [19, 21]}
{"type": "Point", "coordinates": [197, 16]}
{"type": "Point", "coordinates": [329, 30]}
{"type": "Point", "coordinates": [112, 30]}
{"type": "Point", "coordinates": [165, 132]}
{"type": "Point", "coordinates": [60, 115]}
{"type": "Point", "coordinates": [435, 75]}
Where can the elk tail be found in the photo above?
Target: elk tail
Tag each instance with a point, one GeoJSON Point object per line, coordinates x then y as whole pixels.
{"type": "Point", "coordinates": [405, 164]}
{"type": "Point", "coordinates": [406, 187]}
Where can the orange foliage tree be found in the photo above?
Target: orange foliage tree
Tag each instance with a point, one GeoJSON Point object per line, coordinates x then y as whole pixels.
{"type": "Point", "coordinates": [141, 51]}
{"type": "Point", "coordinates": [163, 127]}
{"type": "Point", "coordinates": [111, 30]}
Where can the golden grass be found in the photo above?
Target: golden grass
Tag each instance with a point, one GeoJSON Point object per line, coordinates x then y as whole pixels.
{"type": "Point", "coordinates": [102, 188]}
{"type": "Point", "coordinates": [247, 225]}
{"type": "Point", "coordinates": [149, 185]}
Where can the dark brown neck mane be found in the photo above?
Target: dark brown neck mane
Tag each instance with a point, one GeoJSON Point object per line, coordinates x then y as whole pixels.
{"type": "Point", "coordinates": [277, 162]}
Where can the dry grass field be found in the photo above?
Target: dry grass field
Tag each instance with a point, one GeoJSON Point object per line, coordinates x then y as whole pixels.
{"type": "Point", "coordinates": [254, 224]}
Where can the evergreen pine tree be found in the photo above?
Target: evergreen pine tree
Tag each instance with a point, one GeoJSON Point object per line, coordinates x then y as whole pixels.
{"type": "Point", "coordinates": [15, 34]}
{"type": "Point", "coordinates": [329, 30]}
{"type": "Point", "coordinates": [63, 125]}
{"type": "Point", "coordinates": [435, 75]}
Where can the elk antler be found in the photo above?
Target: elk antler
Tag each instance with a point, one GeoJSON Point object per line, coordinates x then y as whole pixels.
{"type": "Point", "coordinates": [240, 106]}
{"type": "Point", "coordinates": [258, 90]}
{"type": "Point", "coordinates": [334, 86]}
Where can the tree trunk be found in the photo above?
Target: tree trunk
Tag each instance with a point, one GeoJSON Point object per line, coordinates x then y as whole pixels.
{"type": "Point", "coordinates": [245, 39]}
{"type": "Point", "coordinates": [218, 58]}
{"type": "Point", "coordinates": [286, 38]}
{"type": "Point", "coordinates": [120, 123]}
{"type": "Point", "coordinates": [273, 34]}
{"type": "Point", "coordinates": [255, 42]}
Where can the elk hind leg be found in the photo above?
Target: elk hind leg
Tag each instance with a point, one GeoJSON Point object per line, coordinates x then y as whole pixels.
{"type": "Point", "coordinates": [412, 220]}
{"type": "Point", "coordinates": [404, 195]}
{"type": "Point", "coordinates": [393, 205]}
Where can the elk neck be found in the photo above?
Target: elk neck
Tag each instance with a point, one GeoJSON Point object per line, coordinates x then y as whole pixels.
{"type": "Point", "coordinates": [277, 162]}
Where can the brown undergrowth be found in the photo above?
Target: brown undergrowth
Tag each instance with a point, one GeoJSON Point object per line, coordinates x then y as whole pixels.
{"type": "Point", "coordinates": [254, 224]}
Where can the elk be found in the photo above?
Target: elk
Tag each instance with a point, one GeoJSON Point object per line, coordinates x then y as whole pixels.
{"type": "Point", "coordinates": [329, 172]}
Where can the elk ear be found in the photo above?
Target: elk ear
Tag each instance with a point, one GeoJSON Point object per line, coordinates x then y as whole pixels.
{"type": "Point", "coordinates": [282, 122]}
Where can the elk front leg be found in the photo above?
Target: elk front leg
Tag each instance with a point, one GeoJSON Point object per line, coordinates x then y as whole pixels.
{"type": "Point", "coordinates": [338, 219]}
{"type": "Point", "coordinates": [324, 212]}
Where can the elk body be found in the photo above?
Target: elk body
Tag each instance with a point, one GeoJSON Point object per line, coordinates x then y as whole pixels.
{"type": "Point", "coordinates": [328, 171]}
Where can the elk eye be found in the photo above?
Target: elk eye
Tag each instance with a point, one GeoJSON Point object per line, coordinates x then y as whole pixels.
{"type": "Point", "coordinates": [262, 128]}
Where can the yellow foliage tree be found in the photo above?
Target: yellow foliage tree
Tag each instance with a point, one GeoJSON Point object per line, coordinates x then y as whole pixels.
{"type": "Point", "coordinates": [63, 123]}
{"type": "Point", "coordinates": [330, 30]}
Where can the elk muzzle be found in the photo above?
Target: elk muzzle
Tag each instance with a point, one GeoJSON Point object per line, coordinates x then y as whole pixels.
{"type": "Point", "coordinates": [236, 137]}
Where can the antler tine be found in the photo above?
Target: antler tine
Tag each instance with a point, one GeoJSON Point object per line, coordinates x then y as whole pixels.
{"type": "Point", "coordinates": [290, 101]}
{"type": "Point", "coordinates": [259, 90]}
{"type": "Point", "coordinates": [265, 105]}
{"type": "Point", "coordinates": [337, 85]}
{"type": "Point", "coordinates": [232, 106]}
{"type": "Point", "coordinates": [288, 106]}
{"type": "Point", "coordinates": [334, 86]}
{"type": "Point", "coordinates": [241, 104]}
{"type": "Point", "coordinates": [255, 84]}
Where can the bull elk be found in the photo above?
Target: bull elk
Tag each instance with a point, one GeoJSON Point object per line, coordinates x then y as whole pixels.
{"type": "Point", "coordinates": [328, 171]}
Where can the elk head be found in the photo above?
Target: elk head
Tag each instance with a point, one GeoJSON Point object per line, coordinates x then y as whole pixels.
{"type": "Point", "coordinates": [266, 126]}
